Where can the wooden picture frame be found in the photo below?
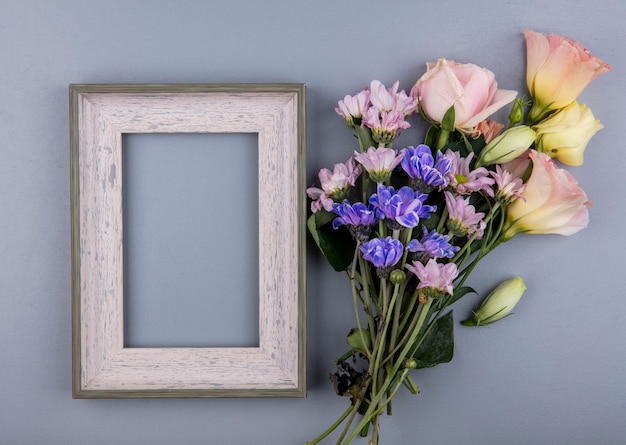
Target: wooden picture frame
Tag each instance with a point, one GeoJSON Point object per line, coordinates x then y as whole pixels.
{"type": "Point", "coordinates": [101, 366]}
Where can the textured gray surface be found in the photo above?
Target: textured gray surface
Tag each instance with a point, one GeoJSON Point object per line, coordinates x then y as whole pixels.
{"type": "Point", "coordinates": [553, 373]}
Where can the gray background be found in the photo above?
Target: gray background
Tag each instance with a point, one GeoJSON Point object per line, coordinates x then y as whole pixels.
{"type": "Point", "coordinates": [553, 373]}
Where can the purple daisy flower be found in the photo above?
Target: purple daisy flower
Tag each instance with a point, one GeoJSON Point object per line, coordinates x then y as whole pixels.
{"type": "Point", "coordinates": [402, 208]}
{"type": "Point", "coordinates": [383, 253]}
{"type": "Point", "coordinates": [355, 214]}
{"type": "Point", "coordinates": [426, 172]}
{"type": "Point", "coordinates": [358, 218]}
{"type": "Point", "coordinates": [432, 245]}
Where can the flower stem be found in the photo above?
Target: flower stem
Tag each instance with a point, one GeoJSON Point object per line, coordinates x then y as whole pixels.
{"type": "Point", "coordinates": [393, 393]}
{"type": "Point", "coordinates": [381, 339]}
{"type": "Point", "coordinates": [369, 307]}
{"type": "Point", "coordinates": [354, 411]}
{"type": "Point", "coordinates": [356, 305]}
{"type": "Point", "coordinates": [376, 398]}
{"type": "Point", "coordinates": [332, 428]}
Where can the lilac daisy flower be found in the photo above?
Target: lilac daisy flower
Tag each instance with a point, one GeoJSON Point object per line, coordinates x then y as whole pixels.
{"type": "Point", "coordinates": [379, 162]}
{"type": "Point", "coordinates": [389, 99]}
{"type": "Point", "coordinates": [435, 278]}
{"type": "Point", "coordinates": [508, 187]}
{"type": "Point", "coordinates": [463, 179]}
{"type": "Point", "coordinates": [402, 208]}
{"type": "Point", "coordinates": [462, 217]}
{"type": "Point", "coordinates": [426, 172]}
{"type": "Point", "coordinates": [384, 99]}
{"type": "Point", "coordinates": [336, 185]}
{"type": "Point", "coordinates": [386, 116]}
{"type": "Point", "coordinates": [352, 108]}
{"type": "Point", "coordinates": [385, 125]}
{"type": "Point", "coordinates": [432, 245]}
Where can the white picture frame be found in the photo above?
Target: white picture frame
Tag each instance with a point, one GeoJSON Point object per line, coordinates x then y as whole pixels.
{"type": "Point", "coordinates": [102, 366]}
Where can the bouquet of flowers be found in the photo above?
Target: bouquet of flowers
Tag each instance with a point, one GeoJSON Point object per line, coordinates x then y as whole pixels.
{"type": "Point", "coordinates": [408, 226]}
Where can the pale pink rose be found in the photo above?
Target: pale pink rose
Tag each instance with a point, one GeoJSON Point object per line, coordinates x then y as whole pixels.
{"type": "Point", "coordinates": [553, 202]}
{"type": "Point", "coordinates": [558, 70]}
{"type": "Point", "coordinates": [471, 89]}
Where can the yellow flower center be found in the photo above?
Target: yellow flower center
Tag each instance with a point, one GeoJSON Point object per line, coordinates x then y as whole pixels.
{"type": "Point", "coordinates": [460, 179]}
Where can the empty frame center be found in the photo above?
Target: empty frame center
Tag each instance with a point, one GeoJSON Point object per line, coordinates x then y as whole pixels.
{"type": "Point", "coordinates": [190, 208]}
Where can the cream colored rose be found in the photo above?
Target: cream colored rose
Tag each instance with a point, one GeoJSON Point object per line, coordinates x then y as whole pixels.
{"type": "Point", "coordinates": [564, 135]}
{"type": "Point", "coordinates": [552, 202]}
{"type": "Point", "coordinates": [557, 71]}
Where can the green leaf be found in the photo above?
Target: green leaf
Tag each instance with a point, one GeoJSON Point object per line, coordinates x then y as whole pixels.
{"type": "Point", "coordinates": [316, 219]}
{"type": "Point", "coordinates": [447, 123]}
{"type": "Point", "coordinates": [461, 292]}
{"type": "Point", "coordinates": [464, 145]}
{"type": "Point", "coordinates": [364, 135]}
{"type": "Point", "coordinates": [336, 245]}
{"type": "Point", "coordinates": [360, 339]}
{"type": "Point", "coordinates": [477, 144]}
{"type": "Point", "coordinates": [438, 345]}
{"type": "Point", "coordinates": [431, 137]}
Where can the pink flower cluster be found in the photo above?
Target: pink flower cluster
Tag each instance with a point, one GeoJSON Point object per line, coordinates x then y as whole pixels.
{"type": "Point", "coordinates": [382, 110]}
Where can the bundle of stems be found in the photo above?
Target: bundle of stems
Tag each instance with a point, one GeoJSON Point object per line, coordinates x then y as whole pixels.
{"type": "Point", "coordinates": [394, 318]}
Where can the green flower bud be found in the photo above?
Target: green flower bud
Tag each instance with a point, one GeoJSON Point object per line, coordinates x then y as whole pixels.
{"type": "Point", "coordinates": [397, 276]}
{"type": "Point", "coordinates": [508, 146]}
{"type": "Point", "coordinates": [517, 112]}
{"type": "Point", "coordinates": [499, 303]}
{"type": "Point", "coordinates": [410, 363]}
{"type": "Point", "coordinates": [360, 339]}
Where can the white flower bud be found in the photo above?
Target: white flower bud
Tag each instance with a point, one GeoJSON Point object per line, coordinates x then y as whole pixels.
{"type": "Point", "coordinates": [508, 146]}
{"type": "Point", "coordinates": [499, 303]}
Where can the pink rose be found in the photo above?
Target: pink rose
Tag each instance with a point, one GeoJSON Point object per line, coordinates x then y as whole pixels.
{"type": "Point", "coordinates": [472, 90]}
{"type": "Point", "coordinates": [553, 202]}
{"type": "Point", "coordinates": [557, 71]}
